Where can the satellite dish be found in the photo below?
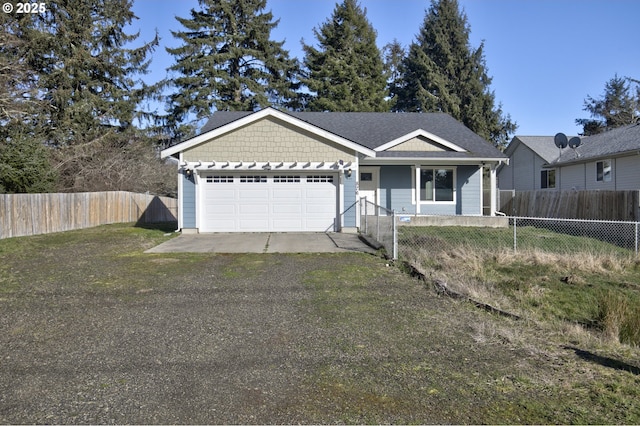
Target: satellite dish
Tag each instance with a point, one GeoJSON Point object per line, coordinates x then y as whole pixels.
{"type": "Point", "coordinates": [560, 140]}
{"type": "Point", "coordinates": [575, 142]}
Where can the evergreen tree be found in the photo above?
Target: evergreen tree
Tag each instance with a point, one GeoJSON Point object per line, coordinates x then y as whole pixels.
{"type": "Point", "coordinates": [443, 73]}
{"type": "Point", "coordinates": [345, 72]}
{"type": "Point", "coordinates": [618, 106]}
{"type": "Point", "coordinates": [85, 73]}
{"type": "Point", "coordinates": [227, 61]}
{"type": "Point", "coordinates": [393, 54]}
{"type": "Point", "coordinates": [24, 161]}
{"type": "Point", "coordinates": [24, 165]}
{"type": "Point", "coordinates": [18, 101]}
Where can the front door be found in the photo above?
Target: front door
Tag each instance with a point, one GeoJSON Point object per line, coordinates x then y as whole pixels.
{"type": "Point", "coordinates": [369, 180]}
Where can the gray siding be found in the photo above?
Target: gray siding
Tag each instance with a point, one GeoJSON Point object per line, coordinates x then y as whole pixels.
{"type": "Point", "coordinates": [438, 209]}
{"type": "Point", "coordinates": [572, 177]}
{"type": "Point", "coordinates": [349, 215]}
{"type": "Point", "coordinates": [395, 188]}
{"type": "Point", "coordinates": [524, 170]}
{"type": "Point", "coordinates": [590, 176]}
{"type": "Point", "coordinates": [627, 173]}
{"type": "Point", "coordinates": [188, 202]}
{"type": "Point", "coordinates": [505, 177]}
{"type": "Point", "coordinates": [469, 200]}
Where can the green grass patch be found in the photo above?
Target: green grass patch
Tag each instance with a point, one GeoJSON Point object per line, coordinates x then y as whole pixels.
{"type": "Point", "coordinates": [551, 277]}
{"type": "Point", "coordinates": [105, 258]}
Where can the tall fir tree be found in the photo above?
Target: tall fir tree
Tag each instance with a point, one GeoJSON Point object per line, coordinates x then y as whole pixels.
{"type": "Point", "coordinates": [443, 73]}
{"type": "Point", "coordinates": [393, 54]}
{"type": "Point", "coordinates": [86, 72]}
{"type": "Point", "coordinates": [227, 61]}
{"type": "Point", "coordinates": [345, 72]}
{"type": "Point", "coordinates": [18, 92]}
{"type": "Point", "coordinates": [618, 106]}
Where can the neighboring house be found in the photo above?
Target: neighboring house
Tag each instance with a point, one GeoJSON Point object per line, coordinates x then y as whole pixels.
{"type": "Point", "coordinates": [528, 156]}
{"type": "Point", "coordinates": [606, 161]}
{"type": "Point", "coordinates": [305, 171]}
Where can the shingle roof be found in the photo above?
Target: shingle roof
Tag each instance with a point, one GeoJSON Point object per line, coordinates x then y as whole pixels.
{"type": "Point", "coordinates": [373, 129]}
{"type": "Point", "coordinates": [544, 146]}
{"type": "Point", "coordinates": [617, 141]}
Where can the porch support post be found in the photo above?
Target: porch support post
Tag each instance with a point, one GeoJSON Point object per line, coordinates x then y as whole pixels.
{"type": "Point", "coordinates": [417, 186]}
{"type": "Point", "coordinates": [492, 183]}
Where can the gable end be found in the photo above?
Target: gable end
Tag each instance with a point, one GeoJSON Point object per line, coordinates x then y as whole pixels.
{"type": "Point", "coordinates": [419, 143]}
{"type": "Point", "coordinates": [268, 139]}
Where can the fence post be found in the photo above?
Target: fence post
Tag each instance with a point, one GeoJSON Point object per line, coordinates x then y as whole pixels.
{"type": "Point", "coordinates": [395, 235]}
{"type": "Point", "coordinates": [636, 238]}
{"type": "Point", "coordinates": [377, 223]}
{"type": "Point", "coordinates": [365, 215]}
{"type": "Point", "coordinates": [515, 237]}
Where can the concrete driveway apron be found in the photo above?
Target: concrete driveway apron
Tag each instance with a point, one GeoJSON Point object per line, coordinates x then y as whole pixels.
{"type": "Point", "coordinates": [263, 243]}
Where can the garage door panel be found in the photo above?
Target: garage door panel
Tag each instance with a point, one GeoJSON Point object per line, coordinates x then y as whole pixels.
{"type": "Point", "coordinates": [326, 193]}
{"type": "Point", "coordinates": [253, 194]}
{"type": "Point", "coordinates": [278, 203]}
{"type": "Point", "coordinates": [311, 207]}
{"type": "Point", "coordinates": [288, 194]}
{"type": "Point", "coordinates": [219, 209]}
{"type": "Point", "coordinates": [220, 194]}
{"type": "Point", "coordinates": [287, 209]}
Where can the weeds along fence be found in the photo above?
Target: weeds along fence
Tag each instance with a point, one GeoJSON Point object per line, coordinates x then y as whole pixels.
{"type": "Point", "coordinates": [31, 214]}
{"type": "Point", "coordinates": [561, 236]}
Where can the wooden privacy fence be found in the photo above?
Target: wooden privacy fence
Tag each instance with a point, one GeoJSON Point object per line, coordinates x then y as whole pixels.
{"type": "Point", "coordinates": [597, 205]}
{"type": "Point", "coordinates": [31, 214]}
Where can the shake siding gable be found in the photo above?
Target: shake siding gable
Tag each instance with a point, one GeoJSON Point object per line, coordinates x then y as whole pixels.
{"type": "Point", "coordinates": [269, 139]}
{"type": "Point", "coordinates": [418, 144]}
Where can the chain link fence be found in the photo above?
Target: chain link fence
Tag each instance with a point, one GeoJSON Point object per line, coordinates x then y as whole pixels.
{"type": "Point", "coordinates": [561, 236]}
{"type": "Point", "coordinates": [570, 235]}
{"type": "Point", "coordinates": [381, 225]}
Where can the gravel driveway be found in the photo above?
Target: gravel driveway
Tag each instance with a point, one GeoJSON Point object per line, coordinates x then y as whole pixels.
{"type": "Point", "coordinates": [193, 352]}
{"type": "Point", "coordinates": [94, 331]}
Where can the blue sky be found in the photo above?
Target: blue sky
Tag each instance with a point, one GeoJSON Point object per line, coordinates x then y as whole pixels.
{"type": "Point", "coordinates": [545, 56]}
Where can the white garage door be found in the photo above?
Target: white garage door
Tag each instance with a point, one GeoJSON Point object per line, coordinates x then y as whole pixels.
{"type": "Point", "coordinates": [267, 202]}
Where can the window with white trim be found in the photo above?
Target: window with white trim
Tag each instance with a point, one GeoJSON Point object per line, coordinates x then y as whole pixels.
{"type": "Point", "coordinates": [319, 178]}
{"type": "Point", "coordinates": [603, 171]}
{"type": "Point", "coordinates": [286, 179]}
{"type": "Point", "coordinates": [219, 179]}
{"type": "Point", "coordinates": [437, 185]}
{"type": "Point", "coordinates": [253, 179]}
